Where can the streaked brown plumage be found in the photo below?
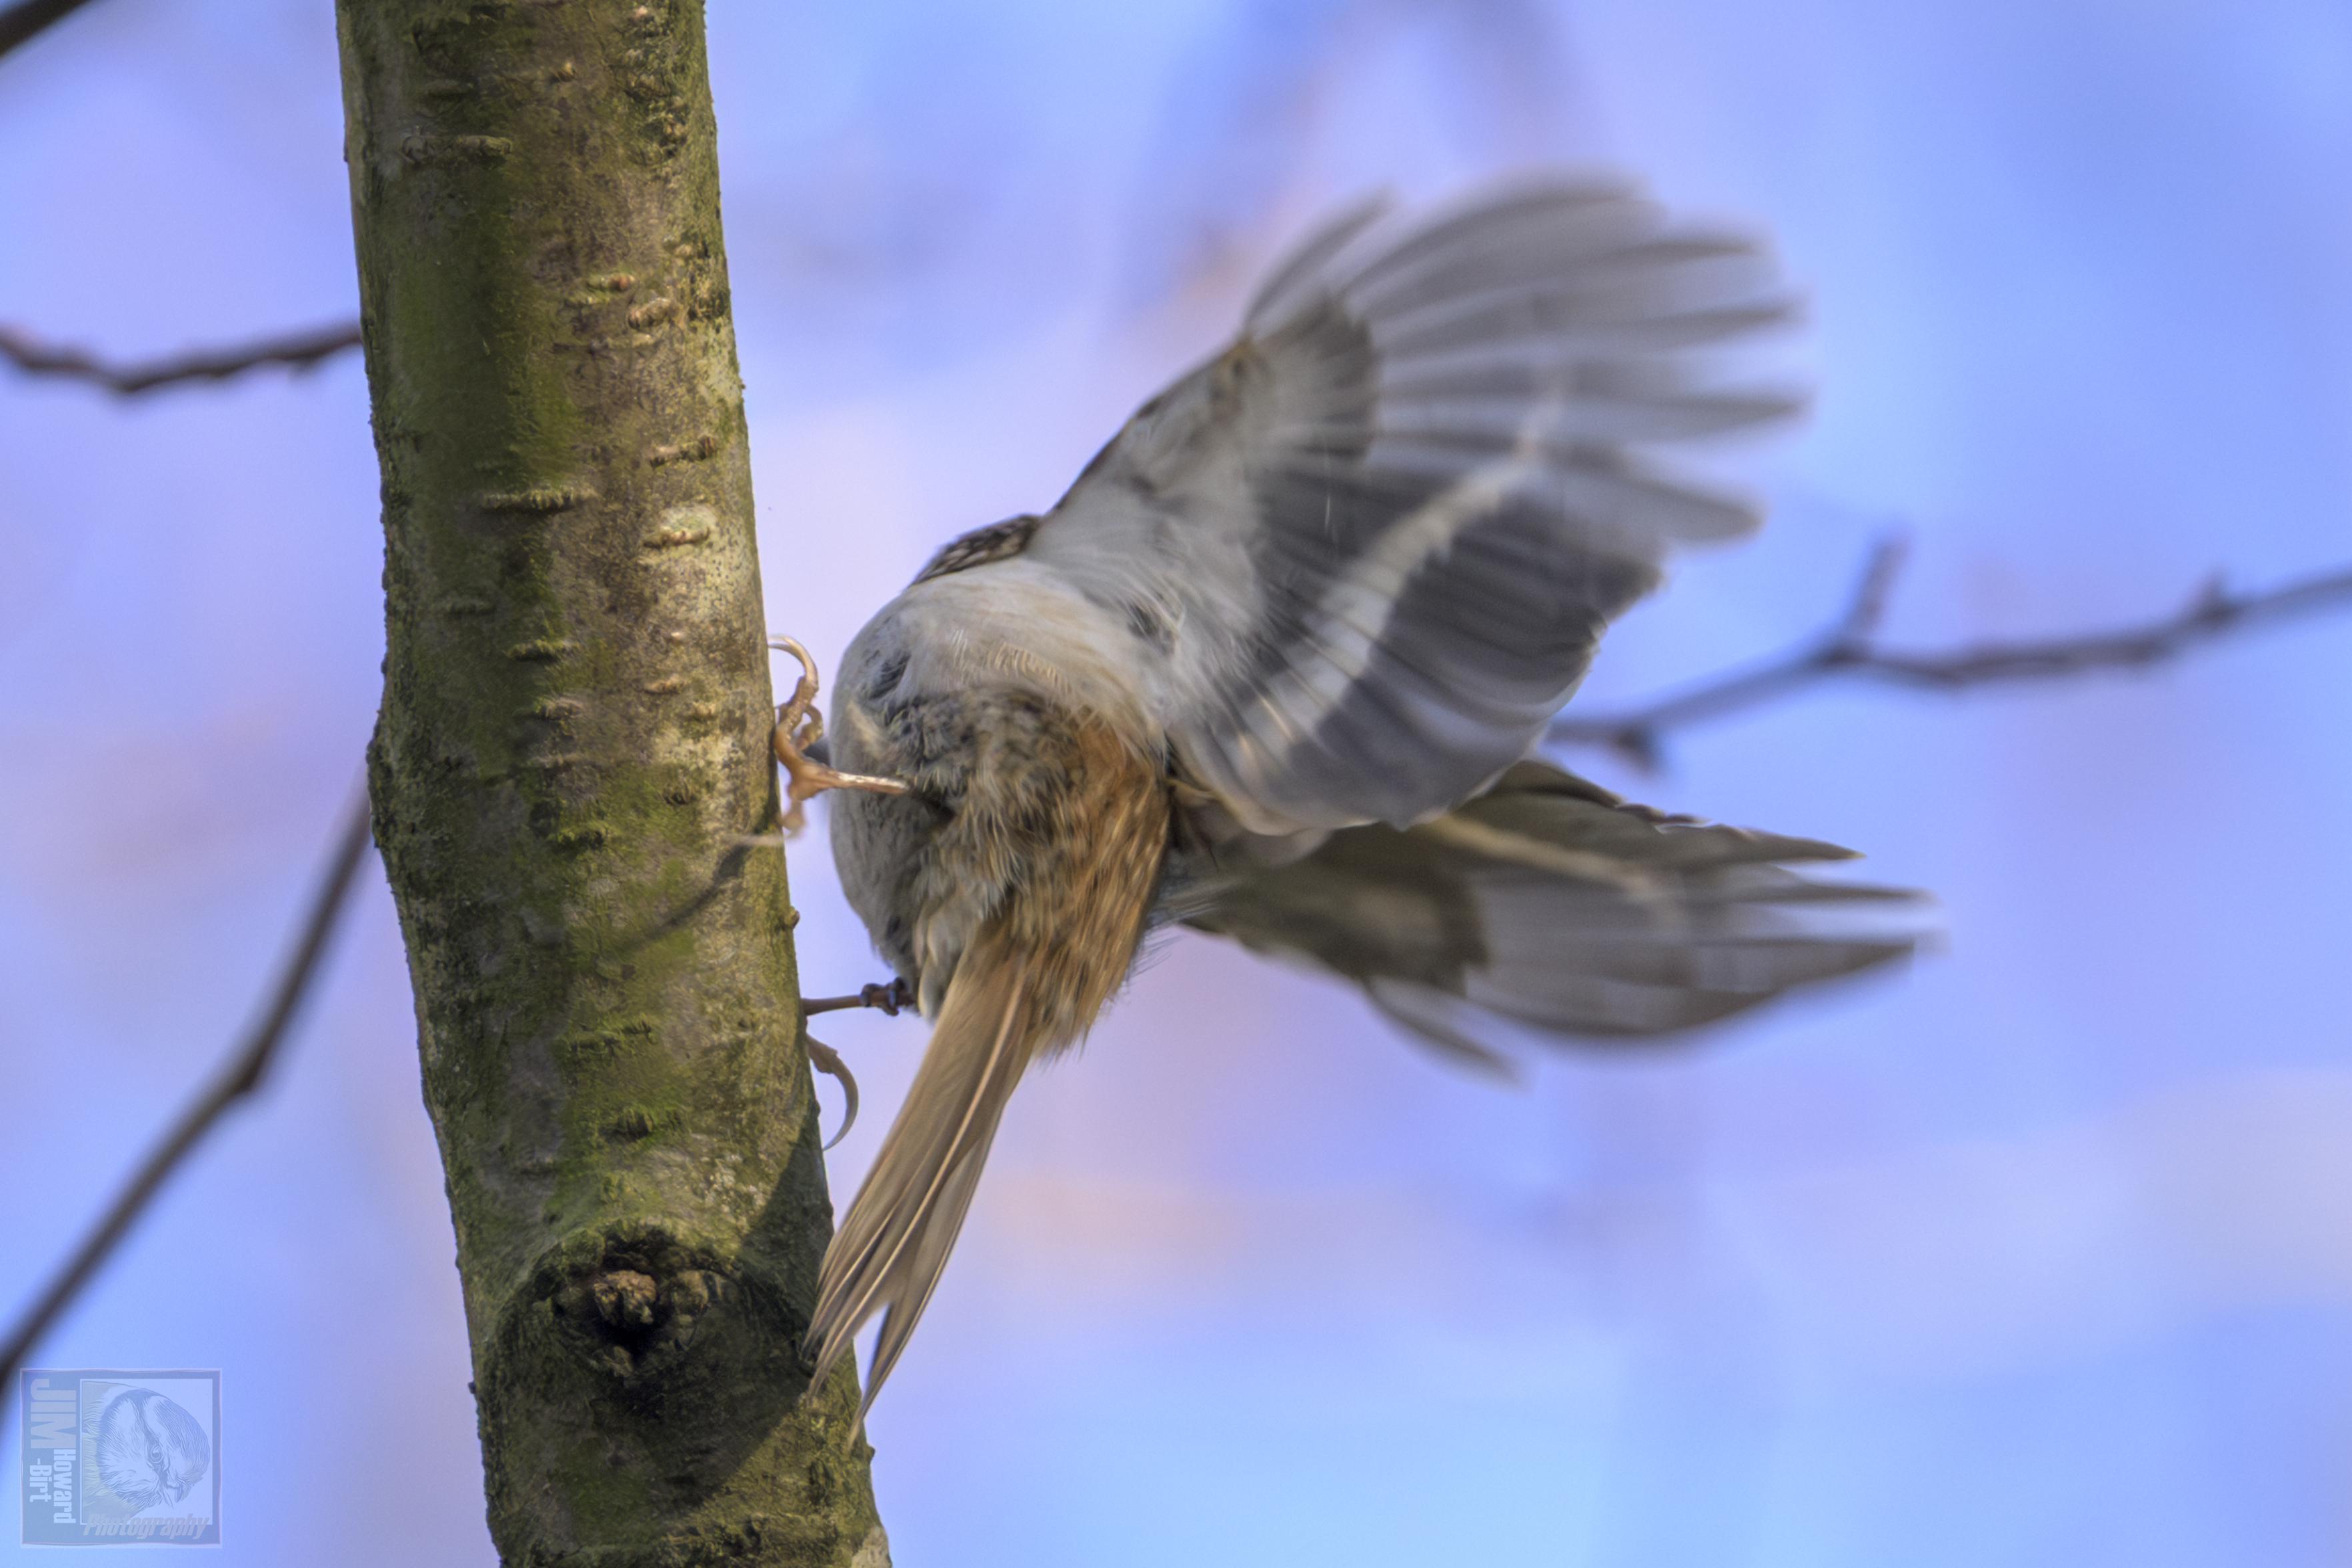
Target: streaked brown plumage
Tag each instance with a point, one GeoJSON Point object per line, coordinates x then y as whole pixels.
{"type": "Point", "coordinates": [1043, 833]}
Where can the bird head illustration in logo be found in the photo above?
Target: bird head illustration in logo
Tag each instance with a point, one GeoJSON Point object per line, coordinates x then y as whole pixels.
{"type": "Point", "coordinates": [150, 1450]}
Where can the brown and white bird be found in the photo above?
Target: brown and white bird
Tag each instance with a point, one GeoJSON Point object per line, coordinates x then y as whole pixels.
{"type": "Point", "coordinates": [1272, 668]}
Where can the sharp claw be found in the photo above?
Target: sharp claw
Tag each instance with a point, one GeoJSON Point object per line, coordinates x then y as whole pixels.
{"type": "Point", "coordinates": [799, 729]}
{"type": "Point", "coordinates": [827, 1059]}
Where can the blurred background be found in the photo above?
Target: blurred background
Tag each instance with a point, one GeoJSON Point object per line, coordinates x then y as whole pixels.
{"type": "Point", "coordinates": [2039, 1253]}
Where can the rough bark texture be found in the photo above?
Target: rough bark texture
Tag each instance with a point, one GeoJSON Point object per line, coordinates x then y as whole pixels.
{"type": "Point", "coordinates": [573, 736]}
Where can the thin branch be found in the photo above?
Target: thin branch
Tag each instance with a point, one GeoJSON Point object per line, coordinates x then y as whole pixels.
{"type": "Point", "coordinates": [20, 22]}
{"type": "Point", "coordinates": [299, 350]}
{"type": "Point", "coordinates": [1849, 649]}
{"type": "Point", "coordinates": [239, 1078]}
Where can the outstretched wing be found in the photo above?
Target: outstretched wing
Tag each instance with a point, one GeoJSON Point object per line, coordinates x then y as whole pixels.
{"type": "Point", "coordinates": [1374, 542]}
{"type": "Point", "coordinates": [1548, 907]}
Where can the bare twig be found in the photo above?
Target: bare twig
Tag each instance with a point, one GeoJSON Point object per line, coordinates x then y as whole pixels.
{"type": "Point", "coordinates": [1848, 649]}
{"type": "Point", "coordinates": [301, 351]}
{"type": "Point", "coordinates": [21, 21]}
{"type": "Point", "coordinates": [241, 1076]}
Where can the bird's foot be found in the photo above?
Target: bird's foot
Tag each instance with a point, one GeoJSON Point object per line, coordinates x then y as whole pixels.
{"type": "Point", "coordinates": [800, 729]}
{"type": "Point", "coordinates": [889, 998]}
{"type": "Point", "coordinates": [827, 1059]}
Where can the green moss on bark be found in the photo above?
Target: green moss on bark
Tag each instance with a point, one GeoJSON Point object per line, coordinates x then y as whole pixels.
{"type": "Point", "coordinates": [571, 743]}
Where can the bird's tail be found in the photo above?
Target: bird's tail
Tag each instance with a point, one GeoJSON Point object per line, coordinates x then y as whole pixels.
{"type": "Point", "coordinates": [1549, 907]}
{"type": "Point", "coordinates": [894, 1240]}
{"type": "Point", "coordinates": [1030, 982]}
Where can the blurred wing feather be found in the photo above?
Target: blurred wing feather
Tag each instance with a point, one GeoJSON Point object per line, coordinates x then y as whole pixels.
{"type": "Point", "coordinates": [1550, 907]}
{"type": "Point", "coordinates": [1375, 541]}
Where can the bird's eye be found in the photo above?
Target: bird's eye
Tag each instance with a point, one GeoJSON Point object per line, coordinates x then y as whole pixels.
{"type": "Point", "coordinates": [885, 678]}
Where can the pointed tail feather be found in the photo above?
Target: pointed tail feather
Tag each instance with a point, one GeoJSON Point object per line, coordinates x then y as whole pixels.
{"type": "Point", "coordinates": [897, 1234]}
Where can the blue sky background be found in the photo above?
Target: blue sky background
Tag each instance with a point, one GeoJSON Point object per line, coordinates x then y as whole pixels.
{"type": "Point", "coordinates": [2039, 1254]}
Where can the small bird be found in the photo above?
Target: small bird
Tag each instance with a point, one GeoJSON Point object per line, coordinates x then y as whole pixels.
{"type": "Point", "coordinates": [1272, 668]}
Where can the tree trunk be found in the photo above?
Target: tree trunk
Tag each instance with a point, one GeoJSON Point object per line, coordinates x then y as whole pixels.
{"type": "Point", "coordinates": [573, 741]}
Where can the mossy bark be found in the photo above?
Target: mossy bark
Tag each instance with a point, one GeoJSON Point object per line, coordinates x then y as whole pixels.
{"type": "Point", "coordinates": [572, 742]}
